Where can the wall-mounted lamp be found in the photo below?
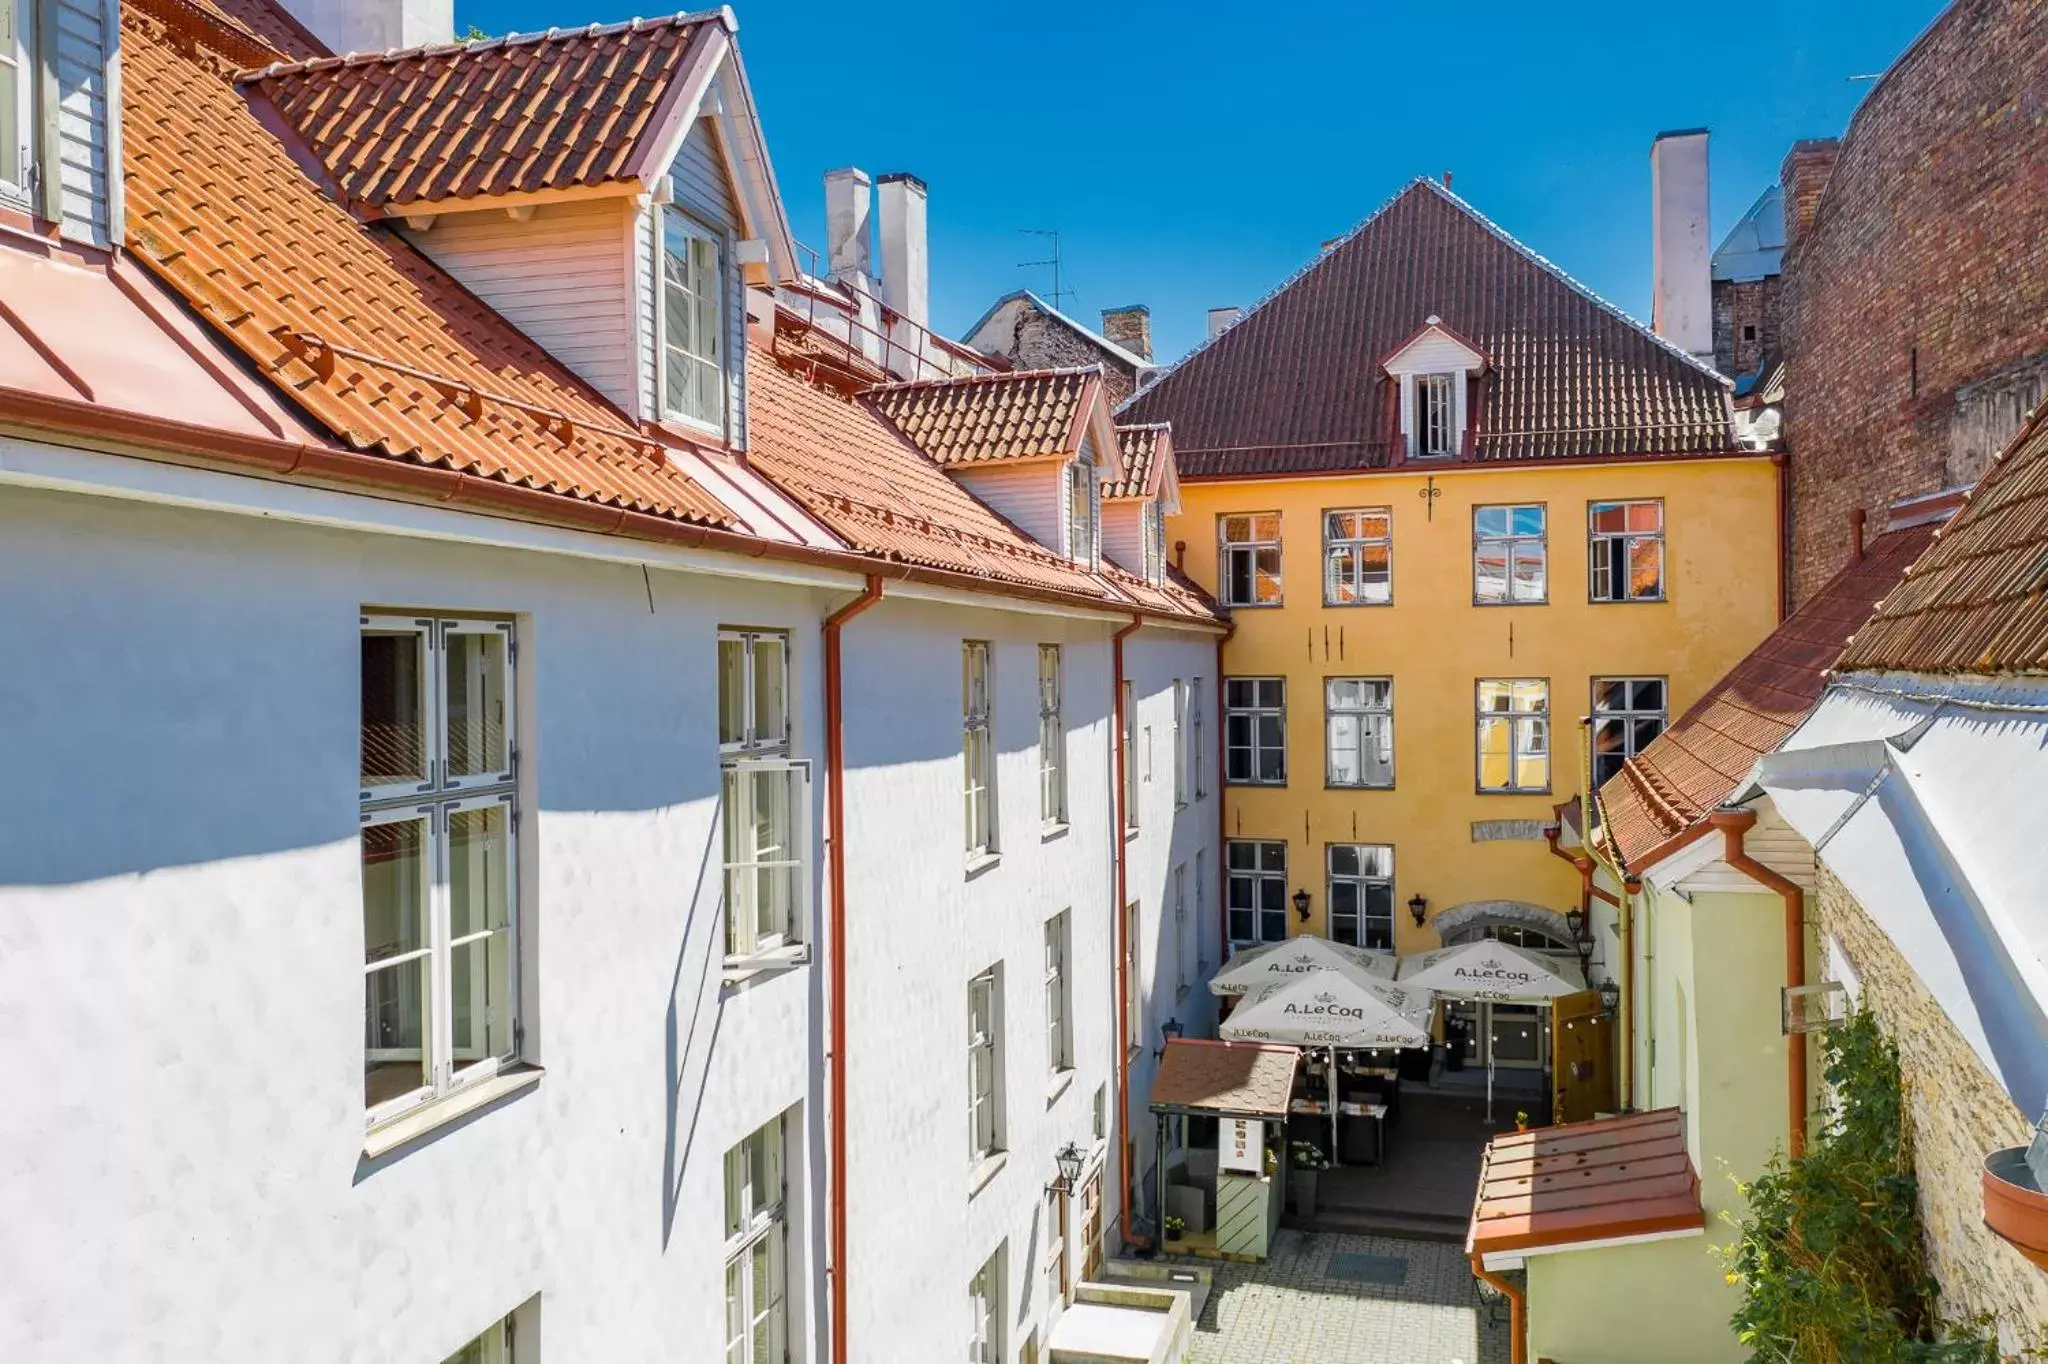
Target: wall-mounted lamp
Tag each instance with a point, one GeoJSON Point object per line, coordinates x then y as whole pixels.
{"type": "Point", "coordinates": [1301, 904]}
{"type": "Point", "coordinates": [1575, 920]}
{"type": "Point", "coordinates": [1610, 997]}
{"type": "Point", "coordinates": [1168, 1030]}
{"type": "Point", "coordinates": [1418, 906]}
{"type": "Point", "coordinates": [1068, 1159]}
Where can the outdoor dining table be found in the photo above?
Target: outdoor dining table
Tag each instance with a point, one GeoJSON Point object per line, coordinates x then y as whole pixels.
{"type": "Point", "coordinates": [1377, 1112]}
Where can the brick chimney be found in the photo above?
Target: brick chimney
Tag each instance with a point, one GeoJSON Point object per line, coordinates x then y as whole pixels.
{"type": "Point", "coordinates": [906, 260]}
{"type": "Point", "coordinates": [1130, 327]}
{"type": "Point", "coordinates": [1682, 309]}
{"type": "Point", "coordinates": [376, 25]}
{"type": "Point", "coordinates": [1222, 320]}
{"type": "Point", "coordinates": [1803, 176]}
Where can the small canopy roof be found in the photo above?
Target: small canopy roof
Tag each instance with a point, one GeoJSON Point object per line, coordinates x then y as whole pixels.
{"type": "Point", "coordinates": [1563, 1188]}
{"type": "Point", "coordinates": [1234, 1079]}
{"type": "Point", "coordinates": [1277, 963]}
{"type": "Point", "coordinates": [1490, 970]}
{"type": "Point", "coordinates": [1333, 1009]}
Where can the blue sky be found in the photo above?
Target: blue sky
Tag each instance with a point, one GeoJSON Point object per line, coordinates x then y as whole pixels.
{"type": "Point", "coordinates": [1195, 154]}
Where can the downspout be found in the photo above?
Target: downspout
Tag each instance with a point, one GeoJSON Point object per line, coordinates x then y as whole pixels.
{"type": "Point", "coordinates": [1222, 816]}
{"type": "Point", "coordinates": [1733, 824]}
{"type": "Point", "coordinates": [1123, 995]}
{"type": "Point", "coordinates": [1518, 1309]}
{"type": "Point", "coordinates": [835, 1049]}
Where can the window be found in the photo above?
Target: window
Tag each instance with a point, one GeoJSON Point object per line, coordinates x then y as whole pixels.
{"type": "Point", "coordinates": [1749, 331]}
{"type": "Point", "coordinates": [985, 1298]}
{"type": "Point", "coordinates": [984, 1090]}
{"type": "Point", "coordinates": [766, 794]}
{"type": "Point", "coordinates": [17, 81]}
{"type": "Point", "coordinates": [1055, 1247]}
{"type": "Point", "coordinates": [1626, 552]}
{"type": "Point", "coordinates": [439, 823]}
{"type": "Point", "coordinates": [1358, 557]}
{"type": "Point", "coordinates": [1130, 757]}
{"type": "Point", "coordinates": [1255, 730]}
{"type": "Point", "coordinates": [1099, 1113]}
{"type": "Point", "coordinates": [1059, 1038]}
{"type": "Point", "coordinates": [1257, 872]}
{"type": "Point", "coordinates": [978, 749]}
{"type": "Point", "coordinates": [1249, 574]}
{"type": "Point", "coordinates": [494, 1346]}
{"type": "Point", "coordinates": [1628, 712]}
{"type": "Point", "coordinates": [756, 1235]}
{"type": "Point", "coordinates": [1180, 931]}
{"type": "Point", "coordinates": [1362, 895]}
{"type": "Point", "coordinates": [692, 321]}
{"type": "Point", "coordinates": [1201, 914]}
{"type": "Point", "coordinates": [1134, 989]}
{"type": "Point", "coordinates": [1153, 523]}
{"type": "Point", "coordinates": [1358, 724]}
{"type": "Point", "coordinates": [1508, 557]}
{"type": "Point", "coordinates": [1052, 736]}
{"type": "Point", "coordinates": [1514, 735]}
{"type": "Point", "coordinates": [1436, 415]}
{"type": "Point", "coordinates": [1084, 512]}
{"type": "Point", "coordinates": [1195, 746]}
{"type": "Point", "coordinates": [1180, 749]}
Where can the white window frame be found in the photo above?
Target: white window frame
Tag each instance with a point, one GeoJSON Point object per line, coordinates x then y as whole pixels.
{"type": "Point", "coordinates": [1375, 730]}
{"type": "Point", "coordinates": [1180, 750]}
{"type": "Point", "coordinates": [1195, 724]}
{"type": "Point", "coordinates": [977, 747]}
{"type": "Point", "coordinates": [1134, 986]}
{"type": "Point", "coordinates": [1084, 513]}
{"type": "Point", "coordinates": [1180, 931]}
{"type": "Point", "coordinates": [1201, 912]}
{"type": "Point", "coordinates": [1603, 545]}
{"type": "Point", "coordinates": [762, 1224]}
{"type": "Point", "coordinates": [1362, 882]}
{"type": "Point", "coordinates": [1130, 757]}
{"type": "Point", "coordinates": [1052, 736]}
{"type": "Point", "coordinates": [1626, 719]}
{"type": "Point", "coordinates": [985, 1303]}
{"type": "Point", "coordinates": [20, 72]}
{"type": "Point", "coordinates": [760, 752]}
{"type": "Point", "coordinates": [1528, 731]}
{"type": "Point", "coordinates": [1511, 544]}
{"type": "Point", "coordinates": [1263, 705]}
{"type": "Point", "coordinates": [1252, 880]}
{"type": "Point", "coordinates": [985, 1041]}
{"type": "Point", "coordinates": [1345, 543]}
{"type": "Point", "coordinates": [498, 1344]}
{"type": "Point", "coordinates": [1436, 421]}
{"type": "Point", "coordinates": [432, 804]}
{"type": "Point", "coordinates": [1152, 525]}
{"type": "Point", "coordinates": [1258, 554]}
{"type": "Point", "coordinates": [1059, 1031]}
{"type": "Point", "coordinates": [675, 218]}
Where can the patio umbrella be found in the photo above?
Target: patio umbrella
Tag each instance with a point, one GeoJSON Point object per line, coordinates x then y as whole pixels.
{"type": "Point", "coordinates": [1279, 962]}
{"type": "Point", "coordinates": [1490, 970]}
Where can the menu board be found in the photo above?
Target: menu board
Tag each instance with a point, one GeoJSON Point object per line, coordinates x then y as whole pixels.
{"type": "Point", "coordinates": [1241, 1145]}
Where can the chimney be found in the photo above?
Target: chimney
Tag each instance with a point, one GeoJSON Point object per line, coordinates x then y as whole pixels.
{"type": "Point", "coordinates": [1801, 179]}
{"type": "Point", "coordinates": [848, 194]}
{"type": "Point", "coordinates": [1682, 310]}
{"type": "Point", "coordinates": [906, 263]}
{"type": "Point", "coordinates": [1222, 320]}
{"type": "Point", "coordinates": [376, 25]}
{"type": "Point", "coordinates": [1130, 327]}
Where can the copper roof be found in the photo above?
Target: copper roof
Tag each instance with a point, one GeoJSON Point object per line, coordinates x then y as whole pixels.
{"type": "Point", "coordinates": [1591, 1181]}
{"type": "Point", "coordinates": [1698, 762]}
{"type": "Point", "coordinates": [1024, 414]}
{"type": "Point", "coordinates": [371, 339]}
{"type": "Point", "coordinates": [558, 110]}
{"type": "Point", "coordinates": [1977, 602]}
{"type": "Point", "coordinates": [1240, 1079]}
{"type": "Point", "coordinates": [1296, 385]}
{"type": "Point", "coordinates": [1138, 446]}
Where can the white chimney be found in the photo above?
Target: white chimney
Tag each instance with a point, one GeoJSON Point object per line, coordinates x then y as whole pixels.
{"type": "Point", "coordinates": [376, 25]}
{"type": "Point", "coordinates": [1682, 311]}
{"type": "Point", "coordinates": [1222, 319]}
{"type": "Point", "coordinates": [848, 193]}
{"type": "Point", "coordinates": [906, 263]}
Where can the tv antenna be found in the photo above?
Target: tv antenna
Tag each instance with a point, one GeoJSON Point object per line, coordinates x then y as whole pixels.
{"type": "Point", "coordinates": [1059, 291]}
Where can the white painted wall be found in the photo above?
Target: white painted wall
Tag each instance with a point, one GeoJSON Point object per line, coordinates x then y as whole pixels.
{"type": "Point", "coordinates": [1123, 533]}
{"type": "Point", "coordinates": [376, 25]}
{"type": "Point", "coordinates": [1032, 496]}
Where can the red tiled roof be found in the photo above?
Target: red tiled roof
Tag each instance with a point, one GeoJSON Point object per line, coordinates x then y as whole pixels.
{"type": "Point", "coordinates": [1977, 602]}
{"type": "Point", "coordinates": [1138, 445]}
{"type": "Point", "coordinates": [268, 25]}
{"type": "Point", "coordinates": [1296, 385]}
{"type": "Point", "coordinates": [371, 339]}
{"type": "Point", "coordinates": [984, 418]}
{"type": "Point", "coordinates": [1699, 761]}
{"type": "Point", "coordinates": [547, 111]}
{"type": "Point", "coordinates": [1246, 1079]}
{"type": "Point", "coordinates": [1590, 1181]}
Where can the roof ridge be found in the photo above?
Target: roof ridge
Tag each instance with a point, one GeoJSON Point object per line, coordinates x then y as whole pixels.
{"type": "Point", "coordinates": [460, 47]}
{"type": "Point", "coordinates": [948, 381]}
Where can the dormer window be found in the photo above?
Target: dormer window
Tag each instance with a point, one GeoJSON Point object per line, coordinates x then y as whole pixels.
{"type": "Point", "coordinates": [1154, 525]}
{"type": "Point", "coordinates": [1084, 512]}
{"type": "Point", "coordinates": [16, 121]}
{"type": "Point", "coordinates": [1432, 368]}
{"type": "Point", "coordinates": [1436, 416]}
{"type": "Point", "coordinates": [692, 322]}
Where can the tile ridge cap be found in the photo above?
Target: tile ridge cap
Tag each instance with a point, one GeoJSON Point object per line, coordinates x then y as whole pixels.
{"type": "Point", "coordinates": [457, 47]}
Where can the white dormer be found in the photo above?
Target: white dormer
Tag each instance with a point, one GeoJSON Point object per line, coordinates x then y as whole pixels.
{"type": "Point", "coordinates": [1433, 368]}
{"type": "Point", "coordinates": [1137, 503]}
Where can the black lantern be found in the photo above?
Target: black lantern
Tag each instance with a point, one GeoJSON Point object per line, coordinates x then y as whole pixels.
{"type": "Point", "coordinates": [1610, 997]}
{"type": "Point", "coordinates": [1069, 1161]}
{"type": "Point", "coordinates": [1168, 1030]}
{"type": "Point", "coordinates": [1418, 906]}
{"type": "Point", "coordinates": [1301, 904]}
{"type": "Point", "coordinates": [1575, 920]}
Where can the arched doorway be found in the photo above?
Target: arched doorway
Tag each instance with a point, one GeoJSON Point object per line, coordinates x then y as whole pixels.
{"type": "Point", "coordinates": [1512, 1037]}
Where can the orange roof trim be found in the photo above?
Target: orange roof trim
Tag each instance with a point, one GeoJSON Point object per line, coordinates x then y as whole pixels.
{"type": "Point", "coordinates": [1557, 1187]}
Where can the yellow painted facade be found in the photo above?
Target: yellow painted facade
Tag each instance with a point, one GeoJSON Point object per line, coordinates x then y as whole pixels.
{"type": "Point", "coordinates": [1436, 644]}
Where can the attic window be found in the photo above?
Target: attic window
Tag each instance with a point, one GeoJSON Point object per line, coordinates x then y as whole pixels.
{"type": "Point", "coordinates": [1154, 522]}
{"type": "Point", "coordinates": [1436, 417]}
{"type": "Point", "coordinates": [692, 322]}
{"type": "Point", "coordinates": [1084, 511]}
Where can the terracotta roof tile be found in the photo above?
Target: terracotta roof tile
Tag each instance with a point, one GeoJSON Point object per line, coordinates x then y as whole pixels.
{"type": "Point", "coordinates": [1296, 386]}
{"type": "Point", "coordinates": [267, 24]}
{"type": "Point", "coordinates": [1591, 1181]}
{"type": "Point", "coordinates": [1977, 602]}
{"type": "Point", "coordinates": [549, 111]}
{"type": "Point", "coordinates": [1698, 762]}
{"type": "Point", "coordinates": [985, 418]}
{"type": "Point", "coordinates": [1245, 1079]}
{"type": "Point", "coordinates": [371, 339]}
{"type": "Point", "coordinates": [1139, 445]}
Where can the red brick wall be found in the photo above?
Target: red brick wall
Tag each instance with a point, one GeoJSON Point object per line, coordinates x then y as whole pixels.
{"type": "Point", "coordinates": [1925, 269]}
{"type": "Point", "coordinates": [1745, 323]}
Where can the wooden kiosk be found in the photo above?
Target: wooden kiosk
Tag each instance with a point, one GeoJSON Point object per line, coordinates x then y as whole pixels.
{"type": "Point", "coordinates": [1228, 1100]}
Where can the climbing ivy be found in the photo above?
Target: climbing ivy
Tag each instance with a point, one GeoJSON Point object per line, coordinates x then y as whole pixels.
{"type": "Point", "coordinates": [1830, 1261]}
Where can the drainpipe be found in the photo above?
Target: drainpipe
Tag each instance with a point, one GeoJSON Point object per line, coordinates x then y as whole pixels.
{"type": "Point", "coordinates": [1123, 994]}
{"type": "Point", "coordinates": [1222, 816]}
{"type": "Point", "coordinates": [835, 1053]}
{"type": "Point", "coordinates": [1518, 1310]}
{"type": "Point", "coordinates": [1733, 824]}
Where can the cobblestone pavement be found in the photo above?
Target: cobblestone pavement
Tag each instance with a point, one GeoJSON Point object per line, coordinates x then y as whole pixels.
{"type": "Point", "coordinates": [1291, 1311]}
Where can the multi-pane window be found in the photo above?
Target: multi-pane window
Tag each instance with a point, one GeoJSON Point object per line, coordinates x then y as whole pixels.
{"type": "Point", "coordinates": [1134, 991]}
{"type": "Point", "coordinates": [1052, 736]}
{"type": "Point", "coordinates": [1362, 894]}
{"type": "Point", "coordinates": [1358, 725]}
{"type": "Point", "coordinates": [1509, 561]}
{"type": "Point", "coordinates": [756, 1235]}
{"type": "Point", "coordinates": [693, 319]}
{"type": "Point", "coordinates": [984, 1105]}
{"type": "Point", "coordinates": [1514, 734]}
{"type": "Point", "coordinates": [439, 824]}
{"type": "Point", "coordinates": [1249, 553]}
{"type": "Point", "coordinates": [1152, 521]}
{"type": "Point", "coordinates": [1255, 730]}
{"type": "Point", "coordinates": [1628, 712]}
{"type": "Point", "coordinates": [1436, 415]}
{"type": "Point", "coordinates": [1180, 930]}
{"type": "Point", "coordinates": [1257, 889]}
{"type": "Point", "coordinates": [1626, 550]}
{"type": "Point", "coordinates": [1358, 557]}
{"type": "Point", "coordinates": [1130, 755]}
{"type": "Point", "coordinates": [1180, 750]}
{"type": "Point", "coordinates": [1195, 746]}
{"type": "Point", "coordinates": [16, 81]}
{"type": "Point", "coordinates": [1201, 913]}
{"type": "Point", "coordinates": [495, 1345]}
{"type": "Point", "coordinates": [978, 749]}
{"type": "Point", "coordinates": [985, 1302]}
{"type": "Point", "coordinates": [766, 796]}
{"type": "Point", "coordinates": [1059, 1036]}
{"type": "Point", "coordinates": [1055, 1248]}
{"type": "Point", "coordinates": [1084, 512]}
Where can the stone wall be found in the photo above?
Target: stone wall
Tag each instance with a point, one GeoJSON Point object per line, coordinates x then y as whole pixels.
{"type": "Point", "coordinates": [1745, 323]}
{"type": "Point", "coordinates": [1925, 270]}
{"type": "Point", "coordinates": [1041, 342]}
{"type": "Point", "coordinates": [1958, 1115]}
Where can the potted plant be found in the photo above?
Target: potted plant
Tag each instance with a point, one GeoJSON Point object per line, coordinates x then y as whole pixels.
{"type": "Point", "coordinates": [2016, 1204]}
{"type": "Point", "coordinates": [1174, 1227]}
{"type": "Point", "coordinates": [1307, 1158]}
{"type": "Point", "coordinates": [1521, 1120]}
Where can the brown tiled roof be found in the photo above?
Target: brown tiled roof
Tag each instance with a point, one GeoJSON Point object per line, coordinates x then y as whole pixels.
{"type": "Point", "coordinates": [371, 339]}
{"type": "Point", "coordinates": [1138, 445]}
{"type": "Point", "coordinates": [267, 24]}
{"type": "Point", "coordinates": [1591, 1181]}
{"type": "Point", "coordinates": [1296, 385]}
{"type": "Point", "coordinates": [548, 111]}
{"type": "Point", "coordinates": [1977, 602]}
{"type": "Point", "coordinates": [986, 418]}
{"type": "Point", "coordinates": [1241, 1079]}
{"type": "Point", "coordinates": [1699, 761]}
